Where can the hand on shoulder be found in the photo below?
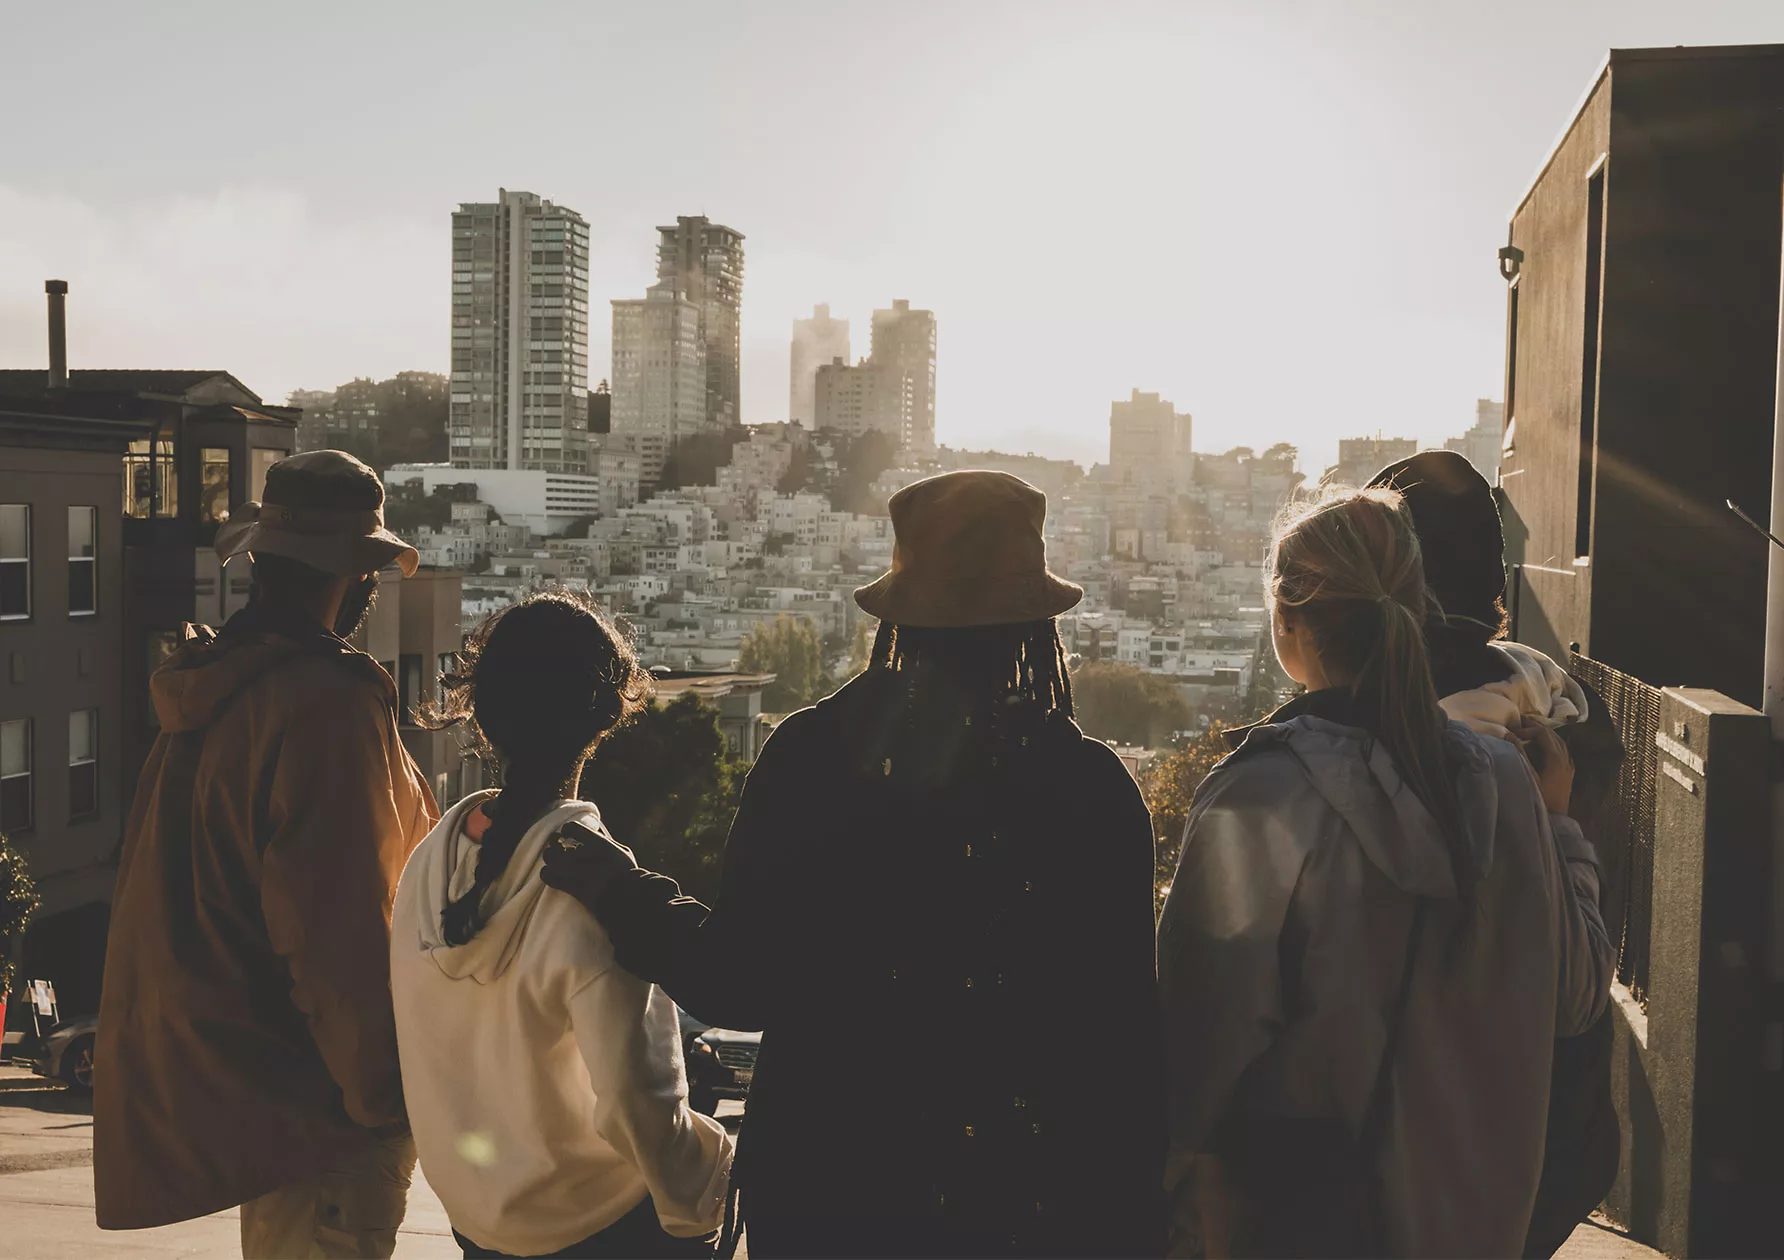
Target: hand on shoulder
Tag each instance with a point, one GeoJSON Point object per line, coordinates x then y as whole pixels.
{"type": "Point", "coordinates": [584, 862]}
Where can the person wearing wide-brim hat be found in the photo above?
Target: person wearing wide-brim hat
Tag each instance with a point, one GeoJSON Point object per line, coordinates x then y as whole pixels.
{"type": "Point", "coordinates": [936, 902]}
{"type": "Point", "coordinates": [246, 995]}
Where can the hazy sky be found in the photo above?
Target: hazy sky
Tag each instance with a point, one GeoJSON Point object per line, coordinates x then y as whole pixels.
{"type": "Point", "coordinates": [1282, 215]}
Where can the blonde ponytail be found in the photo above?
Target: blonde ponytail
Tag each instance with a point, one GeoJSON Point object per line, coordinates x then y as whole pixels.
{"type": "Point", "coordinates": [1348, 563]}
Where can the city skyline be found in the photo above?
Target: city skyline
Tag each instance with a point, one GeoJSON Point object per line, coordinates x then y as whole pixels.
{"type": "Point", "coordinates": [1306, 221]}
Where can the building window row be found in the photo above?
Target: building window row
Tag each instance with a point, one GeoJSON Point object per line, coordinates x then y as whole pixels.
{"type": "Point", "coordinates": [17, 778]}
{"type": "Point", "coordinates": [16, 561]}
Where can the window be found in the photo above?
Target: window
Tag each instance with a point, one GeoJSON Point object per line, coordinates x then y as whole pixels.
{"type": "Point", "coordinates": [15, 775]}
{"type": "Point", "coordinates": [151, 480]}
{"type": "Point", "coordinates": [1582, 529]}
{"type": "Point", "coordinates": [263, 458]}
{"type": "Point", "coordinates": [83, 763]}
{"type": "Point", "coordinates": [15, 561]}
{"type": "Point", "coordinates": [1511, 363]}
{"type": "Point", "coordinates": [213, 485]}
{"type": "Point", "coordinates": [83, 561]}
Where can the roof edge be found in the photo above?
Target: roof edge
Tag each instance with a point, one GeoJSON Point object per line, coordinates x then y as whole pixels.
{"type": "Point", "coordinates": [1573, 118]}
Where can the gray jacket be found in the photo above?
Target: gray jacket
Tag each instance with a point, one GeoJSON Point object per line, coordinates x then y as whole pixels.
{"type": "Point", "coordinates": [1282, 945]}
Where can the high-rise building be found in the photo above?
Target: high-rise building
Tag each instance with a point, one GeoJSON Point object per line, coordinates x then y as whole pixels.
{"type": "Point", "coordinates": [1480, 445]}
{"type": "Point", "coordinates": [703, 261]}
{"type": "Point", "coordinates": [1149, 441]}
{"type": "Point", "coordinates": [1361, 458]}
{"type": "Point", "coordinates": [659, 374]}
{"type": "Point", "coordinates": [904, 339]}
{"type": "Point", "coordinates": [865, 397]}
{"type": "Point", "coordinates": [817, 342]}
{"type": "Point", "coordinates": [519, 335]}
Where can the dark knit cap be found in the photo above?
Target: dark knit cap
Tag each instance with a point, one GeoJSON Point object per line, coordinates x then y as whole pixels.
{"type": "Point", "coordinates": [1459, 532]}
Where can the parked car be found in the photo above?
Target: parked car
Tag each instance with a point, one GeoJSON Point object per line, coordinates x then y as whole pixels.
{"type": "Point", "coordinates": [65, 1053]}
{"type": "Point", "coordinates": [721, 1062]}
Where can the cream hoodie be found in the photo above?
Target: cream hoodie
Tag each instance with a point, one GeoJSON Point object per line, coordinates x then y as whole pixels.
{"type": "Point", "coordinates": [1534, 687]}
{"type": "Point", "coordinates": [545, 1085]}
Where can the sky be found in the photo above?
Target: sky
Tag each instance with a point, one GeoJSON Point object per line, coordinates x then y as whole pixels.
{"type": "Point", "coordinates": [1283, 215]}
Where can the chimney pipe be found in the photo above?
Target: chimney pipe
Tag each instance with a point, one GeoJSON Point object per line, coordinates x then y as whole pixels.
{"type": "Point", "coordinates": [58, 300]}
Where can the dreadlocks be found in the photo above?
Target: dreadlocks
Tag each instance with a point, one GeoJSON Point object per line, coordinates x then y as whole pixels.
{"type": "Point", "coordinates": [1022, 664]}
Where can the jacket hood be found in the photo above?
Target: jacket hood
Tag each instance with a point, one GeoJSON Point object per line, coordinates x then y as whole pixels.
{"type": "Point", "coordinates": [1351, 770]}
{"type": "Point", "coordinates": [193, 687]}
{"type": "Point", "coordinates": [444, 869]}
{"type": "Point", "coordinates": [1534, 687]}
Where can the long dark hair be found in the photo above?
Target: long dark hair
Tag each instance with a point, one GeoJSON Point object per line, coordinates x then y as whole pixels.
{"type": "Point", "coordinates": [537, 686]}
{"type": "Point", "coordinates": [1348, 562]}
{"type": "Point", "coordinates": [1018, 665]}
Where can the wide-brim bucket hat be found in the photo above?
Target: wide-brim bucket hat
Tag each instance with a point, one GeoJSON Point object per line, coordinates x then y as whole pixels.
{"type": "Point", "coordinates": [968, 550]}
{"type": "Point", "coordinates": [324, 509]}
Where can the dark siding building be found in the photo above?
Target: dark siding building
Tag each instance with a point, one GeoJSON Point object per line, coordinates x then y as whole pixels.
{"type": "Point", "coordinates": [1642, 368]}
{"type": "Point", "coordinates": [62, 712]}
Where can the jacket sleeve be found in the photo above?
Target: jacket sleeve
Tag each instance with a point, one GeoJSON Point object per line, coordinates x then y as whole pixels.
{"type": "Point", "coordinates": [334, 849]}
{"type": "Point", "coordinates": [1220, 972]}
{"type": "Point", "coordinates": [1588, 957]}
{"type": "Point", "coordinates": [726, 964]}
{"type": "Point", "coordinates": [630, 1041]}
{"type": "Point", "coordinates": [1126, 1048]}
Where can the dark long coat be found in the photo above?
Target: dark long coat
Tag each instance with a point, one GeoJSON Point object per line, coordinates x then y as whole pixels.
{"type": "Point", "coordinates": [954, 969]}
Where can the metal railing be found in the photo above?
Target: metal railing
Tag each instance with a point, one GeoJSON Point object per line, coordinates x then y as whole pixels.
{"type": "Point", "coordinates": [1628, 819]}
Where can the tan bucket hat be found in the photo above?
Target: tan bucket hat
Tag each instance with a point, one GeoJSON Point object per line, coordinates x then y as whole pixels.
{"type": "Point", "coordinates": [324, 509]}
{"type": "Point", "coordinates": [968, 551]}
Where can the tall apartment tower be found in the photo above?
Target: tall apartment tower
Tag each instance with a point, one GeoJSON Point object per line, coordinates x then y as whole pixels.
{"type": "Point", "coordinates": [817, 342]}
{"type": "Point", "coordinates": [904, 340]}
{"type": "Point", "coordinates": [1149, 441]}
{"type": "Point", "coordinates": [867, 397]}
{"type": "Point", "coordinates": [519, 335]}
{"type": "Point", "coordinates": [659, 376]}
{"type": "Point", "coordinates": [703, 261]}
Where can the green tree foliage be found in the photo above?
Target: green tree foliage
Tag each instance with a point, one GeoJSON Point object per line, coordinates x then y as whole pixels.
{"type": "Point", "coordinates": [798, 474]}
{"type": "Point", "coordinates": [860, 462]}
{"type": "Point", "coordinates": [667, 789]}
{"type": "Point", "coordinates": [1169, 785]}
{"type": "Point", "coordinates": [1128, 705]}
{"type": "Point", "coordinates": [696, 460]}
{"type": "Point", "coordinates": [791, 649]}
{"type": "Point", "coordinates": [18, 906]}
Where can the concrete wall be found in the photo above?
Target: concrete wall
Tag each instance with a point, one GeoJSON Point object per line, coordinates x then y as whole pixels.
{"type": "Point", "coordinates": [1696, 1076]}
{"type": "Point", "coordinates": [1673, 587]}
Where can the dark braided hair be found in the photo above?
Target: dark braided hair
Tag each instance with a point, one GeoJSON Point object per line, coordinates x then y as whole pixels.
{"type": "Point", "coordinates": [1004, 666]}
{"type": "Point", "coordinates": [537, 686]}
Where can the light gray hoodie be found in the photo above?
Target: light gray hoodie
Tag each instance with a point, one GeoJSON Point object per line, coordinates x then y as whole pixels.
{"type": "Point", "coordinates": [1281, 948]}
{"type": "Point", "coordinates": [544, 1083]}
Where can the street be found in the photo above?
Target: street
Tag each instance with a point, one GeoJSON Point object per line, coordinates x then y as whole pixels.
{"type": "Point", "coordinates": [46, 1196]}
{"type": "Point", "coordinates": [46, 1191]}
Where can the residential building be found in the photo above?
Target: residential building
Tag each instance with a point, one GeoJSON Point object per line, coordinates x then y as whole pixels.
{"type": "Point", "coordinates": [862, 398]}
{"type": "Point", "coordinates": [1149, 441]}
{"type": "Point", "coordinates": [904, 340]}
{"type": "Point", "coordinates": [414, 631]}
{"type": "Point", "coordinates": [519, 335]}
{"type": "Point", "coordinates": [703, 262]}
{"type": "Point", "coordinates": [660, 378]}
{"type": "Point", "coordinates": [1642, 369]}
{"type": "Point", "coordinates": [63, 790]}
{"type": "Point", "coordinates": [816, 341]}
{"type": "Point", "coordinates": [544, 502]}
{"type": "Point", "coordinates": [737, 697]}
{"type": "Point", "coordinates": [1360, 458]}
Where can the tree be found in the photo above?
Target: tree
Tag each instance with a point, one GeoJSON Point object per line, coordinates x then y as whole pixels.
{"type": "Point", "coordinates": [1169, 785]}
{"type": "Point", "coordinates": [667, 789]}
{"type": "Point", "coordinates": [798, 474]}
{"type": "Point", "coordinates": [860, 462]}
{"type": "Point", "coordinates": [791, 650]}
{"type": "Point", "coordinates": [696, 460]}
{"type": "Point", "coordinates": [18, 906]}
{"type": "Point", "coordinates": [1128, 705]}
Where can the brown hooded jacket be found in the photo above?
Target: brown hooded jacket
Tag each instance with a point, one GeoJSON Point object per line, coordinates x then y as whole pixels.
{"type": "Point", "coordinates": [246, 1026]}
